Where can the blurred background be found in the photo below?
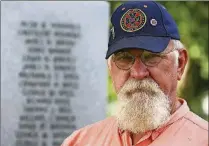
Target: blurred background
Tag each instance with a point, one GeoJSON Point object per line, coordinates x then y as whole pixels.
{"type": "Point", "coordinates": [192, 20]}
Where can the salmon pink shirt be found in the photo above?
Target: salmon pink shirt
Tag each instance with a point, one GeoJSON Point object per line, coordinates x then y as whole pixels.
{"type": "Point", "coordinates": [183, 129]}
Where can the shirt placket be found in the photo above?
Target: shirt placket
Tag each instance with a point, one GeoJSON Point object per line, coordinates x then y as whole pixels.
{"type": "Point", "coordinates": [145, 137]}
{"type": "Point", "coordinates": [127, 141]}
{"type": "Point", "coordinates": [126, 138]}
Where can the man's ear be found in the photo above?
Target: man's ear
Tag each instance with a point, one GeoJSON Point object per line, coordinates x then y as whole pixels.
{"type": "Point", "coordinates": [182, 61]}
{"type": "Point", "coordinates": [109, 64]}
{"type": "Point", "coordinates": [109, 68]}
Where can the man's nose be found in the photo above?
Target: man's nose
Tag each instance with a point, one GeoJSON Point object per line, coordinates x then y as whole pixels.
{"type": "Point", "coordinates": [139, 70]}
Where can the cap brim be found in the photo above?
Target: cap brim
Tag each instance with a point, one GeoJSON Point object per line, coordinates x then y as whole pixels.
{"type": "Point", "coordinates": [149, 43]}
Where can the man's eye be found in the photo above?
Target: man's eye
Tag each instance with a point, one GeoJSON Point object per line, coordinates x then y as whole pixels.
{"type": "Point", "coordinates": [151, 58]}
{"type": "Point", "coordinates": [148, 55]}
{"type": "Point", "coordinates": [123, 57]}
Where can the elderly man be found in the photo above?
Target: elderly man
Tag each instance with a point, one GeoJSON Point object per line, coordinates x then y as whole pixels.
{"type": "Point", "coordinates": [145, 59]}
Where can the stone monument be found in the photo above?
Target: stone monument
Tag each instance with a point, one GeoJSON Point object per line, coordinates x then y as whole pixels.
{"type": "Point", "coordinates": [53, 71]}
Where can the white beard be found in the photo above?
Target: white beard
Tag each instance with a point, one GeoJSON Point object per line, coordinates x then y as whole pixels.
{"type": "Point", "coordinates": [142, 106]}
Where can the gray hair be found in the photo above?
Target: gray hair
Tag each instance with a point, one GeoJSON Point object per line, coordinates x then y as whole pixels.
{"type": "Point", "coordinates": [177, 45]}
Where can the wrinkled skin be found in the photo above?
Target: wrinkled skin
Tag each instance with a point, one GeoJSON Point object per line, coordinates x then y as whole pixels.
{"type": "Point", "coordinates": [166, 74]}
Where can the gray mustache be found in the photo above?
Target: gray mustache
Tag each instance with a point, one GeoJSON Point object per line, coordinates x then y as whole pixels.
{"type": "Point", "coordinates": [138, 90]}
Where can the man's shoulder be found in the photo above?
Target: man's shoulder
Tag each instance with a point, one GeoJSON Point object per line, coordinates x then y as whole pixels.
{"type": "Point", "coordinates": [100, 125]}
{"type": "Point", "coordinates": [196, 121]}
{"type": "Point", "coordinates": [192, 130]}
{"type": "Point", "coordinates": [90, 132]}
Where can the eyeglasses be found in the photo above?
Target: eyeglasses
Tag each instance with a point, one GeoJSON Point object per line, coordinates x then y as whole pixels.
{"type": "Point", "coordinates": [125, 60]}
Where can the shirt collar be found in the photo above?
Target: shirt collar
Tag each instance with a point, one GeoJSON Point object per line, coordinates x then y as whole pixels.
{"type": "Point", "coordinates": [178, 114]}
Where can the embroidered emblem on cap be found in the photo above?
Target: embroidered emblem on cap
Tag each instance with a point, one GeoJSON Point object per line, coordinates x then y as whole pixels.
{"type": "Point", "coordinates": [133, 20]}
{"type": "Point", "coordinates": [153, 22]}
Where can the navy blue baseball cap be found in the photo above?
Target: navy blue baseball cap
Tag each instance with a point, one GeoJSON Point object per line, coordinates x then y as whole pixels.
{"type": "Point", "coordinates": [141, 24]}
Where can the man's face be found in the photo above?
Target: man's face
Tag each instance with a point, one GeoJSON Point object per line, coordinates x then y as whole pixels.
{"type": "Point", "coordinates": [147, 94]}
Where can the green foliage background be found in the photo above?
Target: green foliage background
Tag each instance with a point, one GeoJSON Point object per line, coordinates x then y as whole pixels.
{"type": "Point", "coordinates": [192, 20]}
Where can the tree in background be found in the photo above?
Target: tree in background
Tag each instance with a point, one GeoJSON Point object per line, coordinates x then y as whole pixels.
{"type": "Point", "coordinates": [192, 20]}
